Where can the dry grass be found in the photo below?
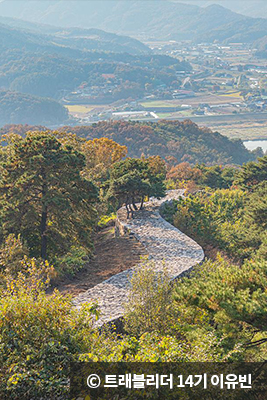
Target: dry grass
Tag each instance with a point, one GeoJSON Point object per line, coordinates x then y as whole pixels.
{"type": "Point", "coordinates": [232, 94]}
{"type": "Point", "coordinates": [79, 109]}
{"type": "Point", "coordinates": [245, 131]}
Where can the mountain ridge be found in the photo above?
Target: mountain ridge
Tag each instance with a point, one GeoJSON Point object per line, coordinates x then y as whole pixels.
{"type": "Point", "coordinates": [82, 39]}
{"type": "Point", "coordinates": [255, 8]}
{"type": "Point", "coordinates": [163, 20]}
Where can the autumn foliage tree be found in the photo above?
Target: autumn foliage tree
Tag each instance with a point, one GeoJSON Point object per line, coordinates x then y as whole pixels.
{"type": "Point", "coordinates": [183, 172]}
{"type": "Point", "coordinates": [100, 155]}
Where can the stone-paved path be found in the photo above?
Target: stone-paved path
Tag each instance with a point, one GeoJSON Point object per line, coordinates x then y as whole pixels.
{"type": "Point", "coordinates": [163, 242]}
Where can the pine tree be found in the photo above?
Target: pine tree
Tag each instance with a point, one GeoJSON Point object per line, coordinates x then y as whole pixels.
{"type": "Point", "coordinates": [252, 174]}
{"type": "Point", "coordinates": [132, 180]}
{"type": "Point", "coordinates": [43, 195]}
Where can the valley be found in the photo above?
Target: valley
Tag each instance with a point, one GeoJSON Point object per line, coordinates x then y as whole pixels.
{"type": "Point", "coordinates": [100, 76]}
{"type": "Point", "coordinates": [133, 199]}
{"type": "Point", "coordinates": [225, 91]}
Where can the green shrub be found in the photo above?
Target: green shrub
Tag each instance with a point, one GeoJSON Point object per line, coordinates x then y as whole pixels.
{"type": "Point", "coordinates": [219, 219]}
{"type": "Point", "coordinates": [39, 336]}
{"type": "Point", "coordinates": [149, 306]}
{"type": "Point", "coordinates": [106, 220]}
{"type": "Point", "coordinates": [230, 298]}
{"type": "Point", "coordinates": [12, 253]}
{"type": "Point", "coordinates": [72, 262]}
{"type": "Point", "coordinates": [165, 329]}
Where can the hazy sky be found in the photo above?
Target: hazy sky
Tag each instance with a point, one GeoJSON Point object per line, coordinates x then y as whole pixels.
{"type": "Point", "coordinates": [252, 8]}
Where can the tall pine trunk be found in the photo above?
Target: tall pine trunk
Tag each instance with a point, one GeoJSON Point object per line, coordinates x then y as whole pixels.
{"type": "Point", "coordinates": [127, 208]}
{"type": "Point", "coordinates": [43, 233]}
{"type": "Point", "coordinates": [44, 218]}
{"type": "Point", "coordinates": [142, 203]}
{"type": "Point", "coordinates": [134, 205]}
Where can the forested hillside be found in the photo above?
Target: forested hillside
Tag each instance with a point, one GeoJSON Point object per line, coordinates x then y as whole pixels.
{"type": "Point", "coordinates": [183, 141]}
{"type": "Point", "coordinates": [34, 36]}
{"type": "Point", "coordinates": [50, 66]}
{"type": "Point", "coordinates": [140, 241]}
{"type": "Point", "coordinates": [23, 108]}
{"type": "Point", "coordinates": [261, 45]}
{"type": "Point", "coordinates": [172, 140]}
{"type": "Point", "coordinates": [54, 190]}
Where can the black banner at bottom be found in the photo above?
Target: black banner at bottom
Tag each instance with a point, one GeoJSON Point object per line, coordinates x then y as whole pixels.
{"type": "Point", "coordinates": [168, 381]}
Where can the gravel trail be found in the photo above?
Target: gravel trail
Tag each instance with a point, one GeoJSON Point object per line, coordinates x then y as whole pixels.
{"type": "Point", "coordinates": [166, 246]}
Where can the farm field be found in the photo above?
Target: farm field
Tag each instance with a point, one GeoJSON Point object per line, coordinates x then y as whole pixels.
{"type": "Point", "coordinates": [243, 131]}
{"type": "Point", "coordinates": [164, 115]}
{"type": "Point", "coordinates": [244, 127]}
{"type": "Point", "coordinates": [209, 98]}
{"type": "Point", "coordinates": [79, 109]}
{"type": "Point", "coordinates": [82, 110]}
{"type": "Point", "coordinates": [232, 95]}
{"type": "Point", "coordinates": [160, 104]}
{"type": "Point", "coordinates": [213, 98]}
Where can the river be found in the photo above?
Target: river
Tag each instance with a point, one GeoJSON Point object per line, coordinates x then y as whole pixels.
{"type": "Point", "coordinates": [253, 144]}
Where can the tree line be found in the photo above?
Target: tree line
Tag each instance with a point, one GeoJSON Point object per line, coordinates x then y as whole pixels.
{"type": "Point", "coordinates": [175, 141]}
{"type": "Point", "coordinates": [24, 108]}
{"type": "Point", "coordinates": [54, 186]}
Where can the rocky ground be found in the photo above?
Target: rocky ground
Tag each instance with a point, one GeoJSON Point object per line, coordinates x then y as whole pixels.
{"type": "Point", "coordinates": [166, 246]}
{"type": "Point", "coordinates": [112, 256]}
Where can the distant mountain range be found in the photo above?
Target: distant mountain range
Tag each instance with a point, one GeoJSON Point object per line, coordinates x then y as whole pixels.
{"type": "Point", "coordinates": [252, 8]}
{"type": "Point", "coordinates": [29, 35]}
{"type": "Point", "coordinates": [160, 19]}
{"type": "Point", "coordinates": [61, 59]}
{"type": "Point", "coordinates": [57, 62]}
